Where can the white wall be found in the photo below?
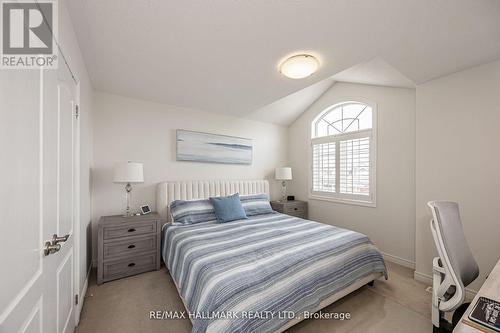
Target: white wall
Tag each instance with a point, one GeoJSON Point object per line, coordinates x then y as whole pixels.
{"type": "Point", "coordinates": [70, 48]}
{"type": "Point", "coordinates": [391, 224]}
{"type": "Point", "coordinates": [129, 129]}
{"type": "Point", "coordinates": [458, 159]}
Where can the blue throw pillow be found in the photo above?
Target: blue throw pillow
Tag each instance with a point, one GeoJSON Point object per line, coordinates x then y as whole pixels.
{"type": "Point", "coordinates": [228, 208]}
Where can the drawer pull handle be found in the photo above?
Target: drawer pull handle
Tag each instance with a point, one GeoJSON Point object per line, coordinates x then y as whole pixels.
{"type": "Point", "coordinates": [131, 264]}
{"type": "Point", "coordinates": [296, 208]}
{"type": "Point", "coordinates": [131, 246]}
{"type": "Point", "coordinates": [131, 230]}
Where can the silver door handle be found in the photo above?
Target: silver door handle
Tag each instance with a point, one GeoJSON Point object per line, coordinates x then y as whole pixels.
{"type": "Point", "coordinates": [59, 239]}
{"type": "Point", "coordinates": [50, 248]}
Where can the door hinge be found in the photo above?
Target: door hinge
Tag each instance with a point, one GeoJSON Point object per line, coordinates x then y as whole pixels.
{"type": "Point", "coordinates": [76, 299]}
{"type": "Point", "coordinates": [77, 111]}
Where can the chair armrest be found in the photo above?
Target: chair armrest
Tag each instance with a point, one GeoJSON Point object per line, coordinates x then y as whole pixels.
{"type": "Point", "coordinates": [436, 265]}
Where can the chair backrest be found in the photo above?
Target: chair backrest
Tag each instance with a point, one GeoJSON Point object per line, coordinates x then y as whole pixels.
{"type": "Point", "coordinates": [451, 243]}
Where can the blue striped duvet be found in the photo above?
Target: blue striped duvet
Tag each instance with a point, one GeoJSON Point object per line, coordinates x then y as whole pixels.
{"type": "Point", "coordinates": [255, 269]}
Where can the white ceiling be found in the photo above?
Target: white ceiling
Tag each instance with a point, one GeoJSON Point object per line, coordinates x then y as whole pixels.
{"type": "Point", "coordinates": [375, 72]}
{"type": "Point", "coordinates": [222, 55]}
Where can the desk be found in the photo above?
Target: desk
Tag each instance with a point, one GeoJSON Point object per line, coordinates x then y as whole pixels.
{"type": "Point", "coordinates": [490, 289]}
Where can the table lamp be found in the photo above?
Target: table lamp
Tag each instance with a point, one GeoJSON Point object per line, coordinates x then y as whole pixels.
{"type": "Point", "coordinates": [283, 174]}
{"type": "Point", "coordinates": [128, 173]}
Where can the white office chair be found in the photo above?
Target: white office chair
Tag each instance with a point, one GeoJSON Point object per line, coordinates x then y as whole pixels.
{"type": "Point", "coordinates": [454, 269]}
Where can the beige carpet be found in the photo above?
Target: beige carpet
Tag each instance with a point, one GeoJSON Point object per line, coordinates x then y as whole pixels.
{"type": "Point", "coordinates": [400, 304]}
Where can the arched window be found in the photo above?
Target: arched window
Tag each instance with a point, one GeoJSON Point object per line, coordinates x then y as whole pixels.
{"type": "Point", "coordinates": [343, 153]}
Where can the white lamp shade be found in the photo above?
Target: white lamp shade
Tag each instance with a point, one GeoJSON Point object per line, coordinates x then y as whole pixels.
{"type": "Point", "coordinates": [128, 172]}
{"type": "Point", "coordinates": [283, 173]}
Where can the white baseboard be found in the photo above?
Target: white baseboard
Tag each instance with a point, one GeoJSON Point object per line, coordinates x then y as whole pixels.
{"type": "Point", "coordinates": [81, 297]}
{"type": "Point", "coordinates": [421, 277]}
{"type": "Point", "coordinates": [398, 260]}
{"type": "Point", "coordinates": [427, 279]}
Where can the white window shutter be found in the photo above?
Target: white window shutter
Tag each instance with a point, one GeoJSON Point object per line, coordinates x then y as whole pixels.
{"type": "Point", "coordinates": [355, 166]}
{"type": "Point", "coordinates": [323, 167]}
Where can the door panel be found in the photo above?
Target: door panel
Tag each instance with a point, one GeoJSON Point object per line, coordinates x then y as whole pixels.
{"type": "Point", "coordinates": [59, 281]}
{"type": "Point", "coordinates": [20, 196]}
{"type": "Point", "coordinates": [65, 194]}
{"type": "Point", "coordinates": [50, 171]}
{"type": "Point", "coordinates": [33, 323]}
{"type": "Point", "coordinates": [64, 277]}
{"type": "Point", "coordinates": [65, 167]}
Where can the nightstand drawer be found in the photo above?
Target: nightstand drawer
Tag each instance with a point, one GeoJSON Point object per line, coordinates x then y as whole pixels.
{"type": "Point", "coordinates": [146, 227]}
{"type": "Point", "coordinates": [129, 246]}
{"type": "Point", "coordinates": [301, 214]}
{"type": "Point", "coordinates": [130, 266]}
{"type": "Point", "coordinates": [294, 209]}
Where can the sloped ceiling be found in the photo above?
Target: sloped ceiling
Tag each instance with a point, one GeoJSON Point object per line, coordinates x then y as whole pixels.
{"type": "Point", "coordinates": [377, 72]}
{"type": "Point", "coordinates": [285, 110]}
{"type": "Point", "coordinates": [222, 56]}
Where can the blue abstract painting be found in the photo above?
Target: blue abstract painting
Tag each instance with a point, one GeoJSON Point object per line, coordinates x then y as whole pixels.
{"type": "Point", "coordinates": [205, 147]}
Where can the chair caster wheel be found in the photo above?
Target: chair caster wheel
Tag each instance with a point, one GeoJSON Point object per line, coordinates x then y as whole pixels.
{"type": "Point", "coordinates": [444, 327]}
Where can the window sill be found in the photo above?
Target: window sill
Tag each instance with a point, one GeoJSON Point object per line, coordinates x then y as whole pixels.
{"type": "Point", "coordinates": [354, 202]}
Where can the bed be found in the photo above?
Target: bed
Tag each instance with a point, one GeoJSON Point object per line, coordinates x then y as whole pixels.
{"type": "Point", "coordinates": [262, 274]}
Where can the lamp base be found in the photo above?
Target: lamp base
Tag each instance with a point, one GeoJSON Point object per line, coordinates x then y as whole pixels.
{"type": "Point", "coordinates": [128, 189]}
{"type": "Point", "coordinates": [283, 191]}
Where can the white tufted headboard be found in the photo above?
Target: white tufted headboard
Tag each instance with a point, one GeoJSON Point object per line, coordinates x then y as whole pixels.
{"type": "Point", "coordinates": [167, 192]}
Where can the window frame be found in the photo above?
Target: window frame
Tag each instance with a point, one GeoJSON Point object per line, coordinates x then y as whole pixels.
{"type": "Point", "coordinates": [345, 198]}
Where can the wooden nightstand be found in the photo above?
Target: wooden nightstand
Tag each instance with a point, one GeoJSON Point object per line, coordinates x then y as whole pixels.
{"type": "Point", "coordinates": [127, 246]}
{"type": "Point", "coordinates": [295, 208]}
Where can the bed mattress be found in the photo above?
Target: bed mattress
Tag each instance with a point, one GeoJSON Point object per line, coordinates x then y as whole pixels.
{"type": "Point", "coordinates": [257, 274]}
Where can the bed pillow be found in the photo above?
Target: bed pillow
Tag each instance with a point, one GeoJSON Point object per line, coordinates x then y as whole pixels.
{"type": "Point", "coordinates": [228, 208]}
{"type": "Point", "coordinates": [192, 211]}
{"type": "Point", "coordinates": [256, 204]}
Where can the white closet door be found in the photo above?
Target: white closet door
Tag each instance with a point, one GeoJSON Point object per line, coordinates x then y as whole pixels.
{"type": "Point", "coordinates": [37, 137]}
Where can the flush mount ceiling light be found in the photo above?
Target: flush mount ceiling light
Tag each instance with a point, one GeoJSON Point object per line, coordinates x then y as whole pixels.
{"type": "Point", "coordinates": [299, 66]}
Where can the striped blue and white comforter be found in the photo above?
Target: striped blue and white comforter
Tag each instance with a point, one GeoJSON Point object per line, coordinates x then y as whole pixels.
{"type": "Point", "coordinates": [262, 266]}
